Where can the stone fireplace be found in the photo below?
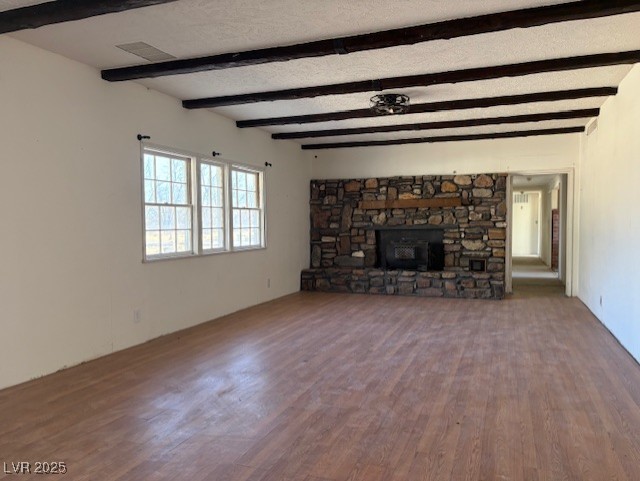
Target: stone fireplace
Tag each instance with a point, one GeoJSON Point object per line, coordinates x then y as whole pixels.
{"type": "Point", "coordinates": [417, 235]}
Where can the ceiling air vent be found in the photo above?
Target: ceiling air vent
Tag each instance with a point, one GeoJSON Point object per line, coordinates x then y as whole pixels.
{"type": "Point", "coordinates": [145, 51]}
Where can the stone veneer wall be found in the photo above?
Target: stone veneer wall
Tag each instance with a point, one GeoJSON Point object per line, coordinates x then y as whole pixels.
{"type": "Point", "coordinates": [343, 240]}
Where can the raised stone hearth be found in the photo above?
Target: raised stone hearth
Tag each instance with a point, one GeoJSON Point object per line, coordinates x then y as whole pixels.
{"type": "Point", "coordinates": [468, 210]}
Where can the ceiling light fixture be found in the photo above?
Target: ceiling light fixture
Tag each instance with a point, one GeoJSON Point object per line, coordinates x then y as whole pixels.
{"type": "Point", "coordinates": [390, 104]}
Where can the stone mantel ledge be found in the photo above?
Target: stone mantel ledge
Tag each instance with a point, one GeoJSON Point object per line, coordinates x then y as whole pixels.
{"type": "Point", "coordinates": [415, 226]}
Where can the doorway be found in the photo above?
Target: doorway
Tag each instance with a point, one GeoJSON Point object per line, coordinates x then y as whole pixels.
{"type": "Point", "coordinates": [526, 224]}
{"type": "Point", "coordinates": [538, 230]}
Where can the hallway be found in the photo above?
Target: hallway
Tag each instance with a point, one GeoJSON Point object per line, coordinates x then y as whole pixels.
{"type": "Point", "coordinates": [532, 268]}
{"type": "Point", "coordinates": [533, 278]}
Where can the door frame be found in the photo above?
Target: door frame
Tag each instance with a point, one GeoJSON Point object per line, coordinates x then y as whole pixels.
{"type": "Point", "coordinates": [568, 241]}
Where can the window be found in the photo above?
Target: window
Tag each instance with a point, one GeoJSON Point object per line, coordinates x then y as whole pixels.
{"type": "Point", "coordinates": [246, 208]}
{"type": "Point", "coordinates": [212, 206]}
{"type": "Point", "coordinates": [168, 209]}
{"type": "Point", "coordinates": [197, 206]}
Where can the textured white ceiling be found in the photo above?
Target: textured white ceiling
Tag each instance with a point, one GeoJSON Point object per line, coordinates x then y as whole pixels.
{"type": "Point", "coordinates": [582, 38]}
{"type": "Point", "coordinates": [11, 4]}
{"type": "Point", "coordinates": [201, 27]}
{"type": "Point", "coordinates": [597, 77]}
{"type": "Point", "coordinates": [535, 181]}
{"type": "Point", "coordinates": [441, 116]}
{"type": "Point", "coordinates": [189, 28]}
{"type": "Point", "coordinates": [549, 124]}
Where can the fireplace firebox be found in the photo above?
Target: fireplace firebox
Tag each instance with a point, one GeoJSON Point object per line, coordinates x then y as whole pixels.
{"type": "Point", "coordinates": [418, 248]}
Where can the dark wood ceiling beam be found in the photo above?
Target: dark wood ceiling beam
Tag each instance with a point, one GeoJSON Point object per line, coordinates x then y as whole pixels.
{"type": "Point", "coordinates": [449, 124]}
{"type": "Point", "coordinates": [48, 13]}
{"type": "Point", "coordinates": [524, 18]}
{"type": "Point", "coordinates": [448, 138]}
{"type": "Point", "coordinates": [437, 106]}
{"type": "Point", "coordinates": [455, 76]}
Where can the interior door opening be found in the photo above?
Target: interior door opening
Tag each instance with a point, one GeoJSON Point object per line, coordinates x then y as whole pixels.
{"type": "Point", "coordinates": [526, 224]}
{"type": "Point", "coordinates": [538, 230]}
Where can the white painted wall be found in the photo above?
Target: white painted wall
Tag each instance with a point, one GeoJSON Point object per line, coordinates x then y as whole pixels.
{"type": "Point", "coordinates": [545, 153]}
{"type": "Point", "coordinates": [609, 222]}
{"type": "Point", "coordinates": [70, 249]}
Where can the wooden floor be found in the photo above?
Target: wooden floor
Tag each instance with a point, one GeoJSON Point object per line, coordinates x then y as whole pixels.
{"type": "Point", "coordinates": [336, 387]}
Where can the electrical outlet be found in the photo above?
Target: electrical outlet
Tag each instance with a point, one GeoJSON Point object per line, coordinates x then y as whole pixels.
{"type": "Point", "coordinates": [137, 316]}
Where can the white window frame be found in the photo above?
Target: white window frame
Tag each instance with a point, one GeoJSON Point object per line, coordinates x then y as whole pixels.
{"type": "Point", "coordinates": [194, 186]}
{"type": "Point", "coordinates": [260, 188]}
{"type": "Point", "coordinates": [225, 201]}
{"type": "Point", "coordinates": [171, 153]}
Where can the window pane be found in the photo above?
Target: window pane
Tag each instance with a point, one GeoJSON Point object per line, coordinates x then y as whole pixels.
{"type": "Point", "coordinates": [178, 170]}
{"type": "Point", "coordinates": [149, 191]}
{"type": "Point", "coordinates": [183, 241]}
{"type": "Point", "coordinates": [234, 179]}
{"type": "Point", "coordinates": [163, 168]}
{"type": "Point", "coordinates": [242, 180]}
{"type": "Point", "coordinates": [218, 239]}
{"type": "Point", "coordinates": [153, 243]}
{"type": "Point", "coordinates": [218, 218]}
{"type": "Point", "coordinates": [217, 197]}
{"type": "Point", "coordinates": [245, 238]}
{"type": "Point", "coordinates": [206, 239]}
{"type": "Point", "coordinates": [244, 219]}
{"type": "Point", "coordinates": [163, 192]}
{"type": "Point", "coordinates": [167, 218]}
{"type": "Point", "coordinates": [206, 196]}
{"type": "Point", "coordinates": [149, 168]}
{"type": "Point", "coordinates": [255, 218]}
{"type": "Point", "coordinates": [179, 193]}
{"type": "Point", "coordinates": [206, 217]}
{"type": "Point", "coordinates": [168, 242]}
{"type": "Point", "coordinates": [183, 217]}
{"type": "Point", "coordinates": [251, 182]}
{"type": "Point", "coordinates": [236, 219]}
{"type": "Point", "coordinates": [236, 238]}
{"type": "Point", "coordinates": [242, 198]}
{"type": "Point", "coordinates": [216, 176]}
{"type": "Point", "coordinates": [252, 200]}
{"type": "Point", "coordinates": [152, 218]}
{"type": "Point", "coordinates": [205, 174]}
{"type": "Point", "coordinates": [255, 237]}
